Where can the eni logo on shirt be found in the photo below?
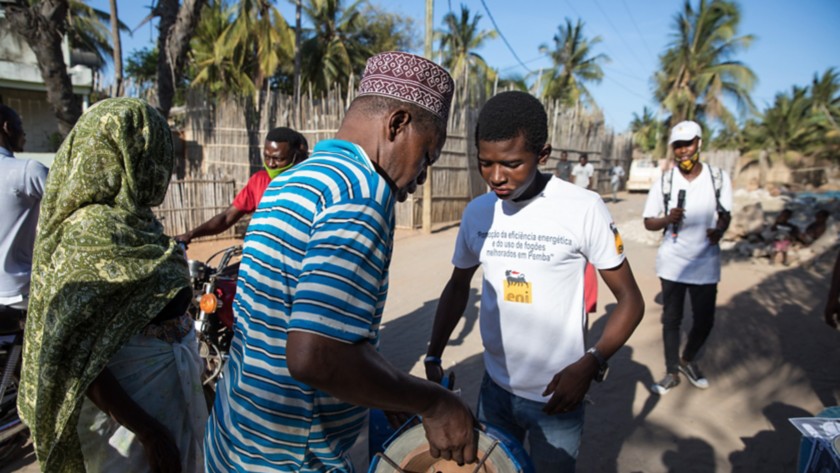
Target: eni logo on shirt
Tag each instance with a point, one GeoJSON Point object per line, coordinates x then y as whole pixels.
{"type": "Point", "coordinates": [517, 288]}
{"type": "Point", "coordinates": [619, 245]}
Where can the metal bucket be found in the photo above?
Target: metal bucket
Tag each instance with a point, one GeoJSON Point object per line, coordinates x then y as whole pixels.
{"type": "Point", "coordinates": [408, 452]}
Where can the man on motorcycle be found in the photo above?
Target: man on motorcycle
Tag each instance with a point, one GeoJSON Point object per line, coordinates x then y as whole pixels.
{"type": "Point", "coordinates": [18, 210]}
{"type": "Point", "coordinates": [283, 148]}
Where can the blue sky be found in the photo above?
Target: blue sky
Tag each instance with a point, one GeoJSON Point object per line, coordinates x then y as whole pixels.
{"type": "Point", "coordinates": [794, 40]}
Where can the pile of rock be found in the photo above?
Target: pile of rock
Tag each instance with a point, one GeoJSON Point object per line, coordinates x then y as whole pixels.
{"type": "Point", "coordinates": [754, 212]}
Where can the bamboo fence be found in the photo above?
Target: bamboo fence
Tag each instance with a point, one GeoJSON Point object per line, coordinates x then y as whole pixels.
{"type": "Point", "coordinates": [223, 138]}
{"type": "Point", "coordinates": [189, 203]}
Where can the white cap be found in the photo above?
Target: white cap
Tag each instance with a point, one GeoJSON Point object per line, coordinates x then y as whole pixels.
{"type": "Point", "coordinates": [685, 131]}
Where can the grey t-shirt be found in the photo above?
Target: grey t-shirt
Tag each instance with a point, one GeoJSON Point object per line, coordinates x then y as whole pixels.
{"type": "Point", "coordinates": [564, 170]}
{"type": "Point", "coordinates": [22, 184]}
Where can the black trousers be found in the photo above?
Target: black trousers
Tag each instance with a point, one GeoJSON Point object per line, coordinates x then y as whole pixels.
{"type": "Point", "coordinates": [703, 298]}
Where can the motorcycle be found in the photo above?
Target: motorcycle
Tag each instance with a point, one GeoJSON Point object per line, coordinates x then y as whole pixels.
{"type": "Point", "coordinates": [13, 433]}
{"type": "Point", "coordinates": [214, 288]}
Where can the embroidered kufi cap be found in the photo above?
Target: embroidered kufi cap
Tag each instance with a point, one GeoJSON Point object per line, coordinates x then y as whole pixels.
{"type": "Point", "coordinates": [409, 78]}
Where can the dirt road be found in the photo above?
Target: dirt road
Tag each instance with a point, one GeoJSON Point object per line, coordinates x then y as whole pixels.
{"type": "Point", "coordinates": [769, 358]}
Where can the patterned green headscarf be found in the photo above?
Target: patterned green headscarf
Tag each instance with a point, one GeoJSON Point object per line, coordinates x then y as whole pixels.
{"type": "Point", "coordinates": [102, 267]}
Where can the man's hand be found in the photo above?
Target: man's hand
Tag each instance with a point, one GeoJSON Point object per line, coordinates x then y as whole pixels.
{"type": "Point", "coordinates": [434, 372]}
{"type": "Point", "coordinates": [450, 429]}
{"type": "Point", "coordinates": [184, 237]}
{"type": "Point", "coordinates": [569, 386]}
{"type": "Point", "coordinates": [714, 235]}
{"type": "Point", "coordinates": [161, 450]}
{"type": "Point", "coordinates": [675, 215]}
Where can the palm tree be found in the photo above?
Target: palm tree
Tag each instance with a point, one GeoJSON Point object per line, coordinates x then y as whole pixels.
{"type": "Point", "coordinates": [332, 51]}
{"type": "Point", "coordinates": [43, 29]}
{"type": "Point", "coordinates": [458, 44]}
{"type": "Point", "coordinates": [728, 138]}
{"type": "Point", "coordinates": [573, 66]}
{"type": "Point", "coordinates": [647, 130]}
{"type": "Point", "coordinates": [381, 30]}
{"type": "Point", "coordinates": [698, 70]}
{"type": "Point", "coordinates": [265, 36]}
{"type": "Point", "coordinates": [825, 101]}
{"type": "Point", "coordinates": [217, 63]}
{"type": "Point", "coordinates": [235, 50]}
{"type": "Point", "coordinates": [141, 72]}
{"type": "Point", "coordinates": [787, 129]}
{"type": "Point", "coordinates": [87, 31]}
{"type": "Point", "coordinates": [825, 92]}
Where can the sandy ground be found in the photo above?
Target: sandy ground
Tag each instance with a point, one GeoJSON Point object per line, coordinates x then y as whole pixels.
{"type": "Point", "coordinates": [769, 358]}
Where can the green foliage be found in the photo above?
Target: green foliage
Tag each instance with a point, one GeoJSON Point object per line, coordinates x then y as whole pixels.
{"type": "Point", "coordinates": [801, 123]}
{"type": "Point", "coordinates": [728, 138]}
{"type": "Point", "coordinates": [648, 132]}
{"type": "Point", "coordinates": [334, 48]}
{"type": "Point", "coordinates": [574, 66]}
{"type": "Point", "coordinates": [513, 82]}
{"type": "Point", "coordinates": [235, 50]}
{"type": "Point", "coordinates": [384, 31]}
{"type": "Point", "coordinates": [459, 41]}
{"type": "Point", "coordinates": [698, 70]}
{"type": "Point", "coordinates": [141, 71]}
{"type": "Point", "coordinates": [88, 29]}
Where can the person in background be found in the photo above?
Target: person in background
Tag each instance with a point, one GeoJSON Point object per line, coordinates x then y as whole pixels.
{"type": "Point", "coordinates": [616, 178]}
{"type": "Point", "coordinates": [283, 148]}
{"type": "Point", "coordinates": [784, 234]}
{"type": "Point", "coordinates": [111, 371]}
{"type": "Point", "coordinates": [688, 260]}
{"type": "Point", "coordinates": [815, 229]}
{"type": "Point", "coordinates": [304, 365]}
{"type": "Point", "coordinates": [22, 184]}
{"type": "Point", "coordinates": [564, 167]}
{"type": "Point", "coordinates": [583, 172]}
{"type": "Point", "coordinates": [532, 314]}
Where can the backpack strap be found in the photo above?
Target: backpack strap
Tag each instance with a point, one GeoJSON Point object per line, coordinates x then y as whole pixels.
{"type": "Point", "coordinates": [666, 189]}
{"type": "Point", "coordinates": [717, 182]}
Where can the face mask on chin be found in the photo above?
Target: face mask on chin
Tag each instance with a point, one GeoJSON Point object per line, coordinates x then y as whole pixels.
{"type": "Point", "coordinates": [686, 165]}
{"type": "Point", "coordinates": [272, 173]}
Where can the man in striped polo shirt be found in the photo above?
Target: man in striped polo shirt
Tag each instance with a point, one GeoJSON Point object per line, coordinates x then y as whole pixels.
{"type": "Point", "coordinates": [303, 365]}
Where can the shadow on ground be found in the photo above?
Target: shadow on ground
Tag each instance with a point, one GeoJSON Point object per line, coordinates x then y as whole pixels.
{"type": "Point", "coordinates": [769, 342]}
{"type": "Point", "coordinates": [404, 340]}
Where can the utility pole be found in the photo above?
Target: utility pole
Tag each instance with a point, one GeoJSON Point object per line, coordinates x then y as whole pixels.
{"type": "Point", "coordinates": [298, 32]}
{"type": "Point", "coordinates": [427, 186]}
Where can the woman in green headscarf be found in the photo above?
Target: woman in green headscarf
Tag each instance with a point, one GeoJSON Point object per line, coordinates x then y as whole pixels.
{"type": "Point", "coordinates": [110, 378]}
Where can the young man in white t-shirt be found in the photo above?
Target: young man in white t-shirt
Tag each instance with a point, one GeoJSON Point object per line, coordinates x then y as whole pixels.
{"type": "Point", "coordinates": [532, 236]}
{"type": "Point", "coordinates": [689, 256]}
{"type": "Point", "coordinates": [583, 172]}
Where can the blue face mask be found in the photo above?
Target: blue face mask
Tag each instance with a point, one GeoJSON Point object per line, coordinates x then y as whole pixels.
{"type": "Point", "coordinates": [272, 173]}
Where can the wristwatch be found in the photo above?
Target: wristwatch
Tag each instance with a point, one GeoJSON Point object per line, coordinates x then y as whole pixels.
{"type": "Point", "coordinates": [603, 366]}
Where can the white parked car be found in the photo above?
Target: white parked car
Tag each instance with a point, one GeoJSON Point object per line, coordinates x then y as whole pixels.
{"type": "Point", "coordinates": [643, 173]}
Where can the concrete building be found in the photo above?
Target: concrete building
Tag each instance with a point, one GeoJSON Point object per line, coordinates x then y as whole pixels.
{"type": "Point", "coordinates": [22, 88]}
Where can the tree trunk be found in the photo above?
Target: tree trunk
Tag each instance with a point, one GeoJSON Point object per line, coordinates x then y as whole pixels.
{"type": "Point", "coordinates": [115, 38]}
{"type": "Point", "coordinates": [43, 25]}
{"type": "Point", "coordinates": [176, 28]}
{"type": "Point", "coordinates": [763, 168]}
